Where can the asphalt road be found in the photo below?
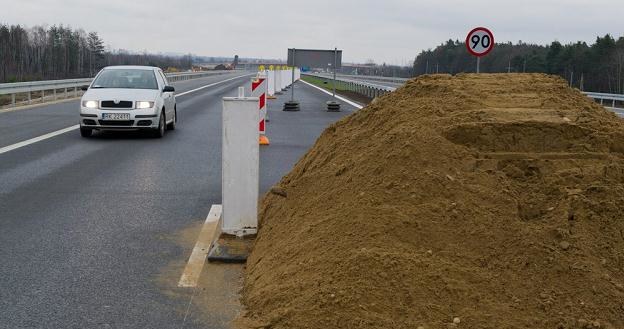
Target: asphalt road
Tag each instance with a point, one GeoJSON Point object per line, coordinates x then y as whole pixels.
{"type": "Point", "coordinates": [84, 223]}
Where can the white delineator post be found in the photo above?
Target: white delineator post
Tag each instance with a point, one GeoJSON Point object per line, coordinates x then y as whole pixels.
{"type": "Point", "coordinates": [278, 81]}
{"type": "Point", "coordinates": [284, 79]}
{"type": "Point", "coordinates": [270, 84]}
{"type": "Point", "coordinates": [240, 165]}
{"type": "Point", "coordinates": [259, 89]}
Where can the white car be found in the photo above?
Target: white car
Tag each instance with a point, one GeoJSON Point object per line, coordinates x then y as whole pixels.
{"type": "Point", "coordinates": [128, 98]}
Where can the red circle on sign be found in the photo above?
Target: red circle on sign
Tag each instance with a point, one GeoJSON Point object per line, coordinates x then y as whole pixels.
{"type": "Point", "coordinates": [489, 33]}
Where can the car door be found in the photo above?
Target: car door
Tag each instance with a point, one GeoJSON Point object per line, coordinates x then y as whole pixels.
{"type": "Point", "coordinates": [169, 97]}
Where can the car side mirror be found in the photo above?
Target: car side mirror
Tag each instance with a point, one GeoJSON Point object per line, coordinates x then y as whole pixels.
{"type": "Point", "coordinates": [168, 89]}
{"type": "Point", "coordinates": [84, 88]}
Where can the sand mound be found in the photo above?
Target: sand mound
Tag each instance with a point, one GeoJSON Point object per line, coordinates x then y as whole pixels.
{"type": "Point", "coordinates": [495, 201]}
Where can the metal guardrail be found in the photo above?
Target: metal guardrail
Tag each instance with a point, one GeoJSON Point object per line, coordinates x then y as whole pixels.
{"type": "Point", "coordinates": [174, 77]}
{"type": "Point", "coordinates": [365, 88]}
{"type": "Point", "coordinates": [72, 85]}
{"type": "Point", "coordinates": [386, 81]}
{"type": "Point", "coordinates": [614, 99]}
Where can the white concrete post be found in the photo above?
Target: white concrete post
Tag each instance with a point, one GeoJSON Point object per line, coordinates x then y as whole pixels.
{"type": "Point", "coordinates": [271, 83]}
{"type": "Point", "coordinates": [278, 81]}
{"type": "Point", "coordinates": [240, 165]}
{"type": "Point", "coordinates": [284, 79]}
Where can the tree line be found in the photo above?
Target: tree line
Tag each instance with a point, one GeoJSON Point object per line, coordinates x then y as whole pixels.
{"type": "Point", "coordinates": [60, 52]}
{"type": "Point", "coordinates": [598, 67]}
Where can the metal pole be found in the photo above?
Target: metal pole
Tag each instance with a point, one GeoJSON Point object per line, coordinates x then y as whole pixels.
{"type": "Point", "coordinates": [478, 63]}
{"type": "Point", "coordinates": [335, 63]}
{"type": "Point", "coordinates": [13, 100]}
{"type": "Point", "coordinates": [292, 87]}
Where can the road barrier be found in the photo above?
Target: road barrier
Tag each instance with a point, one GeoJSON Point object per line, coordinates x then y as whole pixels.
{"type": "Point", "coordinates": [240, 165]}
{"type": "Point", "coordinates": [367, 89]}
{"type": "Point", "coordinates": [278, 81]}
{"type": "Point", "coordinates": [70, 87]}
{"type": "Point", "coordinates": [240, 179]}
{"type": "Point", "coordinates": [259, 89]}
{"type": "Point", "coordinates": [613, 99]}
{"type": "Point", "coordinates": [270, 84]}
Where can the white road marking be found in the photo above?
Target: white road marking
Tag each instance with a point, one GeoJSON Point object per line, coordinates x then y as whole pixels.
{"type": "Point", "coordinates": [37, 139]}
{"type": "Point", "coordinates": [74, 127]}
{"type": "Point", "coordinates": [356, 105]}
{"type": "Point", "coordinates": [196, 262]}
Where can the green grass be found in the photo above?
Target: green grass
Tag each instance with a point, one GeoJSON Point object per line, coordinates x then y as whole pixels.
{"type": "Point", "coordinates": [320, 82]}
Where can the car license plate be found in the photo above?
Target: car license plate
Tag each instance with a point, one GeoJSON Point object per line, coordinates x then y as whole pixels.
{"type": "Point", "coordinates": [116, 116]}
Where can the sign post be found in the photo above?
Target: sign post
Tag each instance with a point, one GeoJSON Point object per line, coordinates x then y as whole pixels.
{"type": "Point", "coordinates": [333, 105]}
{"type": "Point", "coordinates": [317, 58]}
{"type": "Point", "coordinates": [479, 42]}
{"type": "Point", "coordinates": [292, 104]}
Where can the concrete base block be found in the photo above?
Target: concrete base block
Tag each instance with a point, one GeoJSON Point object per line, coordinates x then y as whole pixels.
{"type": "Point", "coordinates": [333, 106]}
{"type": "Point", "coordinates": [230, 249]}
{"type": "Point", "coordinates": [291, 106]}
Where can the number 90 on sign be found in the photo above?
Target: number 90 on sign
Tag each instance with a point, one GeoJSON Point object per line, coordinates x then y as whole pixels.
{"type": "Point", "coordinates": [480, 41]}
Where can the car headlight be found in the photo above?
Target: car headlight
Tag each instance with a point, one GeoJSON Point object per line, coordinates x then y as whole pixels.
{"type": "Point", "coordinates": [144, 105]}
{"type": "Point", "coordinates": [90, 104]}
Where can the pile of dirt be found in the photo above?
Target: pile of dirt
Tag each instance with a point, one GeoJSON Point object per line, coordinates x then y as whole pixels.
{"type": "Point", "coordinates": [468, 201]}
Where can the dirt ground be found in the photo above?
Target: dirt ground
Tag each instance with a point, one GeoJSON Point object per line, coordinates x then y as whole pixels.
{"type": "Point", "coordinates": [216, 300]}
{"type": "Point", "coordinates": [468, 201]}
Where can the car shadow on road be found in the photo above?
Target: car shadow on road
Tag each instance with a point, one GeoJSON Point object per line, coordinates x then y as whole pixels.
{"type": "Point", "coordinates": [126, 135]}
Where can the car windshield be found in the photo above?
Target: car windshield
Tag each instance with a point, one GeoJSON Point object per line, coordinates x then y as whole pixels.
{"type": "Point", "coordinates": [126, 78]}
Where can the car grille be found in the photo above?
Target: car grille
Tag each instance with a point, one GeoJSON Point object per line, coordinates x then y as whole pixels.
{"type": "Point", "coordinates": [127, 123]}
{"type": "Point", "coordinates": [121, 105]}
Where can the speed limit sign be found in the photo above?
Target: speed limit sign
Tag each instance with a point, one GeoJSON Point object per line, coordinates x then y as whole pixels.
{"type": "Point", "coordinates": [480, 41]}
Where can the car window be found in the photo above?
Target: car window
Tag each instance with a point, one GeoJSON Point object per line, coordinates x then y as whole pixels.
{"type": "Point", "coordinates": [126, 78]}
{"type": "Point", "coordinates": [164, 78]}
{"type": "Point", "coordinates": [161, 83]}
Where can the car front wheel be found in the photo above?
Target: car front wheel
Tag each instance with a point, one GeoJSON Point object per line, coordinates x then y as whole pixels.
{"type": "Point", "coordinates": [172, 125]}
{"type": "Point", "coordinates": [160, 132]}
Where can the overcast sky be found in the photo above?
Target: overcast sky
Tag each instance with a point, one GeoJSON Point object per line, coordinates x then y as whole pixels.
{"type": "Point", "coordinates": [391, 31]}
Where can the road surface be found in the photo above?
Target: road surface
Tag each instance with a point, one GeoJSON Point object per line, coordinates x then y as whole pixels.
{"type": "Point", "coordinates": [85, 224]}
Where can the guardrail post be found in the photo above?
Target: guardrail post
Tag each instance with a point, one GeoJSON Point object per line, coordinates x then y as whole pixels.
{"type": "Point", "coordinates": [29, 98]}
{"type": "Point", "coordinates": [75, 91]}
{"type": "Point", "coordinates": [43, 96]}
{"type": "Point", "coordinates": [13, 100]}
{"type": "Point", "coordinates": [65, 92]}
{"type": "Point", "coordinates": [54, 93]}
